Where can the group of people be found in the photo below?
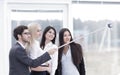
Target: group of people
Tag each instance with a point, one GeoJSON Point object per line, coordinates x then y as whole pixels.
{"type": "Point", "coordinates": [31, 57]}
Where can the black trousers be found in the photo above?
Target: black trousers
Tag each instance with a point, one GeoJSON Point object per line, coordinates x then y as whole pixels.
{"type": "Point", "coordinates": [39, 73]}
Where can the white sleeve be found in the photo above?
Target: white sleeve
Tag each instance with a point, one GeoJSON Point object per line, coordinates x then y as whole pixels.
{"type": "Point", "coordinates": [33, 53]}
{"type": "Point", "coordinates": [54, 63]}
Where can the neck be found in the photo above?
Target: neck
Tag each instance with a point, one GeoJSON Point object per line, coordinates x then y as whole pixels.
{"type": "Point", "coordinates": [22, 42]}
{"type": "Point", "coordinates": [66, 47]}
{"type": "Point", "coordinates": [47, 41]}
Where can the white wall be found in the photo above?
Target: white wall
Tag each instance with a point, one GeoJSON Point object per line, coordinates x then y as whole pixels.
{"type": "Point", "coordinates": [1, 36]}
{"type": "Point", "coordinates": [3, 54]}
{"type": "Point", "coordinates": [39, 1]}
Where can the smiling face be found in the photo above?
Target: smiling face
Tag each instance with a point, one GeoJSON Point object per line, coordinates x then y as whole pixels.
{"type": "Point", "coordinates": [50, 35]}
{"type": "Point", "coordinates": [66, 37]}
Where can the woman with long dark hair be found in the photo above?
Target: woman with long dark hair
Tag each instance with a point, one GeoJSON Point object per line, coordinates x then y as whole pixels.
{"type": "Point", "coordinates": [48, 42]}
{"type": "Point", "coordinates": [70, 57]}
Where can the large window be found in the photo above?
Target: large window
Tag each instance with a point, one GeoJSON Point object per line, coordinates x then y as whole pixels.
{"type": "Point", "coordinates": [44, 14]}
{"type": "Point", "coordinates": [92, 20]}
{"type": "Point", "coordinates": [88, 18]}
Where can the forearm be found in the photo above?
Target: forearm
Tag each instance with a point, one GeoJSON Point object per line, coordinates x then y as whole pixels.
{"type": "Point", "coordinates": [22, 56]}
{"type": "Point", "coordinates": [40, 60]}
{"type": "Point", "coordinates": [39, 68]}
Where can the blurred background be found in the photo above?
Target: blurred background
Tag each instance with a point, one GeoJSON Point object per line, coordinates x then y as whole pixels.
{"type": "Point", "coordinates": [94, 23]}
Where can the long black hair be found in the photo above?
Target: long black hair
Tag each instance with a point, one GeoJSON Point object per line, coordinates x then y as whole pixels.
{"type": "Point", "coordinates": [76, 50]}
{"type": "Point", "coordinates": [42, 44]}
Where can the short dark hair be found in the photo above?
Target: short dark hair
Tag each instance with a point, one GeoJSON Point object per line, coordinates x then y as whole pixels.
{"type": "Point", "coordinates": [19, 30]}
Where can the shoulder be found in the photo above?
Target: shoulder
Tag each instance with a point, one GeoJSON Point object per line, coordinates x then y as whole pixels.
{"type": "Point", "coordinates": [76, 44]}
{"type": "Point", "coordinates": [16, 49]}
{"type": "Point", "coordinates": [53, 45]}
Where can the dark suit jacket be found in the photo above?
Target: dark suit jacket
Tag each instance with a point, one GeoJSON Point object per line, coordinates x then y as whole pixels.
{"type": "Point", "coordinates": [19, 61]}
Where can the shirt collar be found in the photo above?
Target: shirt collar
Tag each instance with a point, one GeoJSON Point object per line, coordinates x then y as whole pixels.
{"type": "Point", "coordinates": [21, 44]}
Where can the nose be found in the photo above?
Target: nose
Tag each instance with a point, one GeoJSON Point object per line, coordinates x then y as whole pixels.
{"type": "Point", "coordinates": [29, 35]}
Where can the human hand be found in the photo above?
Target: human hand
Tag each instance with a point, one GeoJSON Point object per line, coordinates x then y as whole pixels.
{"type": "Point", "coordinates": [52, 51]}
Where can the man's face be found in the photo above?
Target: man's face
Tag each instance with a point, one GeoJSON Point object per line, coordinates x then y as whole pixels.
{"type": "Point", "coordinates": [25, 37]}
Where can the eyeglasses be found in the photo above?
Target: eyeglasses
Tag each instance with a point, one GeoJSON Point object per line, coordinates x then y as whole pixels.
{"type": "Point", "coordinates": [26, 33]}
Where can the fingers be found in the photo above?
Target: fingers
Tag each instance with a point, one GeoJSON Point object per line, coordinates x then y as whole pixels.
{"type": "Point", "coordinates": [52, 51]}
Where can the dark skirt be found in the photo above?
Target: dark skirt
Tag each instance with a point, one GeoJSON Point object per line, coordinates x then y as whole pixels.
{"type": "Point", "coordinates": [39, 73]}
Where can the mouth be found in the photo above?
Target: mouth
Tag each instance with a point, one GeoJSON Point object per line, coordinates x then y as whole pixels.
{"type": "Point", "coordinates": [50, 36]}
{"type": "Point", "coordinates": [67, 39]}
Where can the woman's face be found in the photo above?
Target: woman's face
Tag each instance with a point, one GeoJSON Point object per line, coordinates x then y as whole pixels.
{"type": "Point", "coordinates": [50, 35]}
{"type": "Point", "coordinates": [38, 32]}
{"type": "Point", "coordinates": [66, 37]}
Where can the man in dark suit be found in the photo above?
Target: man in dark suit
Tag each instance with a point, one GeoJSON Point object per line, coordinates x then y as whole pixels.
{"type": "Point", "coordinates": [18, 58]}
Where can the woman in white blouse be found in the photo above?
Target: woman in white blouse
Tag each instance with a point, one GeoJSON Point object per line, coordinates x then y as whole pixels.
{"type": "Point", "coordinates": [48, 42]}
{"type": "Point", "coordinates": [35, 50]}
{"type": "Point", "coordinates": [70, 58]}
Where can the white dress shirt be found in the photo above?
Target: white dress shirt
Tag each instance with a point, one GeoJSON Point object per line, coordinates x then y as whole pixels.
{"type": "Point", "coordinates": [54, 58]}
